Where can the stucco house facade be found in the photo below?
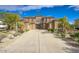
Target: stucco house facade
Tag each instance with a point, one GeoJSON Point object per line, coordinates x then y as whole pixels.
{"type": "Point", "coordinates": [40, 22]}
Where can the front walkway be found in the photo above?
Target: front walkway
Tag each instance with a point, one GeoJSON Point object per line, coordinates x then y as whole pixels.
{"type": "Point", "coordinates": [36, 41]}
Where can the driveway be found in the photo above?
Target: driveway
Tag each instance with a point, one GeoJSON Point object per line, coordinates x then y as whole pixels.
{"type": "Point", "coordinates": [36, 41]}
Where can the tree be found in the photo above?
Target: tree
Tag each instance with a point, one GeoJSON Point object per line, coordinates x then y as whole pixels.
{"type": "Point", "coordinates": [11, 19]}
{"type": "Point", "coordinates": [63, 25]}
{"type": "Point", "coordinates": [20, 26]}
{"type": "Point", "coordinates": [72, 26]}
{"type": "Point", "coordinates": [76, 24]}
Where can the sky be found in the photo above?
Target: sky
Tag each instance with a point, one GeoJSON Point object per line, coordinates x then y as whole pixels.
{"type": "Point", "coordinates": [57, 11]}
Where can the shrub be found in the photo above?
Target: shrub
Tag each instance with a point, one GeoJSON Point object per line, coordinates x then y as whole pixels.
{"type": "Point", "coordinates": [21, 26]}
{"type": "Point", "coordinates": [72, 35]}
{"type": "Point", "coordinates": [62, 34]}
{"type": "Point", "coordinates": [51, 30]}
{"type": "Point", "coordinates": [26, 30]}
{"type": "Point", "coordinates": [77, 36]}
{"type": "Point", "coordinates": [30, 23]}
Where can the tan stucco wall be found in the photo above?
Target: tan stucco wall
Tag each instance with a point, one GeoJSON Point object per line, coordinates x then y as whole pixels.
{"type": "Point", "coordinates": [56, 25]}
{"type": "Point", "coordinates": [38, 19]}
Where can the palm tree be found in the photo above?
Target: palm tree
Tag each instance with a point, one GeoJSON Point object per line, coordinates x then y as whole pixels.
{"type": "Point", "coordinates": [63, 25]}
{"type": "Point", "coordinates": [11, 19]}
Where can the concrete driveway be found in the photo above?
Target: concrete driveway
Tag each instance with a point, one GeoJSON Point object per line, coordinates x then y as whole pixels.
{"type": "Point", "coordinates": [36, 41]}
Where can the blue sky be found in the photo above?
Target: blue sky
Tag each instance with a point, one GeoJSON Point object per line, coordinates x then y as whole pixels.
{"type": "Point", "coordinates": [57, 11]}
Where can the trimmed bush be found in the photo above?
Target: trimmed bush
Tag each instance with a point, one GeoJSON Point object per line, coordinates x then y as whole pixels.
{"type": "Point", "coordinates": [26, 30]}
{"type": "Point", "coordinates": [51, 30]}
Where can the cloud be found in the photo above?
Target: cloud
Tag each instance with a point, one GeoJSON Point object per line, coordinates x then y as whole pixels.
{"type": "Point", "coordinates": [24, 7]}
{"type": "Point", "coordinates": [19, 9]}
{"type": "Point", "coordinates": [8, 7]}
{"type": "Point", "coordinates": [36, 7]}
{"type": "Point", "coordinates": [76, 7]}
{"type": "Point", "coordinates": [33, 7]}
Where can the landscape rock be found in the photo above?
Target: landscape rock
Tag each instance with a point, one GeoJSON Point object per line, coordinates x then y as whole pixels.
{"type": "Point", "coordinates": [11, 36]}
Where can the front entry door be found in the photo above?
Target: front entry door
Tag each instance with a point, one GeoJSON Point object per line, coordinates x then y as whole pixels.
{"type": "Point", "coordinates": [39, 26]}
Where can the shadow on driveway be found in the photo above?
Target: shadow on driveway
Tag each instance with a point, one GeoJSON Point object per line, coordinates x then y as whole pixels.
{"type": "Point", "coordinates": [73, 46]}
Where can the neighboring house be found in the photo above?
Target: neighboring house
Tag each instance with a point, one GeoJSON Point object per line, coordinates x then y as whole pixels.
{"type": "Point", "coordinates": [40, 22]}
{"type": "Point", "coordinates": [29, 23]}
